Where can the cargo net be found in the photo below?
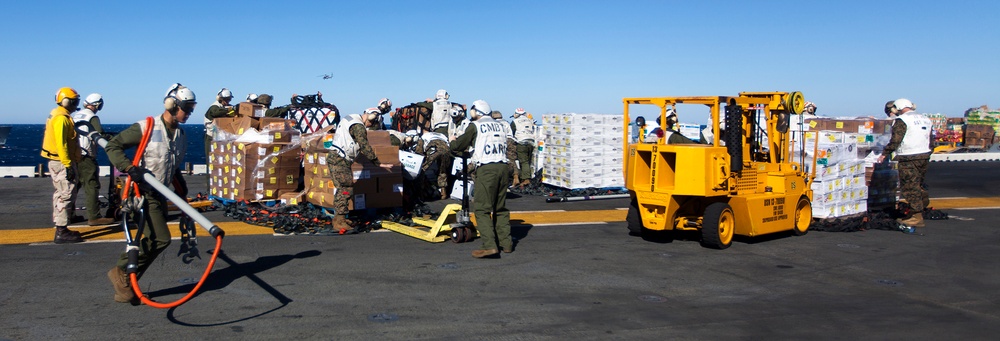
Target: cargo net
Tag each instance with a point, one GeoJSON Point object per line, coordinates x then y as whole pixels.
{"type": "Point", "coordinates": [875, 220]}
{"type": "Point", "coordinates": [411, 117]}
{"type": "Point", "coordinates": [311, 114]}
{"type": "Point", "coordinates": [302, 218]}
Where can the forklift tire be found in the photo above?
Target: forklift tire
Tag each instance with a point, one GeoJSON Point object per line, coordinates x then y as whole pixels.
{"type": "Point", "coordinates": [718, 226]}
{"type": "Point", "coordinates": [803, 216]}
{"type": "Point", "coordinates": [458, 235]}
{"type": "Point", "coordinates": [633, 220]}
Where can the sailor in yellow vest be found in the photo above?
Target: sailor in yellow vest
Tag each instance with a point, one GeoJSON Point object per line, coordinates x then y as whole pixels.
{"type": "Point", "coordinates": [162, 158]}
{"type": "Point", "coordinates": [61, 147]}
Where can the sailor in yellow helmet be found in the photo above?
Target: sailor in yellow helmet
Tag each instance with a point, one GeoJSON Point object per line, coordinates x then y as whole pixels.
{"type": "Point", "coordinates": [60, 146]}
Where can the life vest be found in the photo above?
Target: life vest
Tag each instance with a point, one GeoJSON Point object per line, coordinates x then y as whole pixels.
{"type": "Point", "coordinates": [506, 128]}
{"type": "Point", "coordinates": [918, 134]}
{"type": "Point", "coordinates": [398, 134]}
{"type": "Point", "coordinates": [456, 130]}
{"type": "Point", "coordinates": [524, 130]}
{"type": "Point", "coordinates": [81, 120]}
{"type": "Point", "coordinates": [343, 143]}
{"type": "Point", "coordinates": [441, 114]}
{"type": "Point", "coordinates": [429, 136]}
{"type": "Point", "coordinates": [60, 123]}
{"type": "Point", "coordinates": [164, 153]}
{"type": "Point", "coordinates": [491, 142]}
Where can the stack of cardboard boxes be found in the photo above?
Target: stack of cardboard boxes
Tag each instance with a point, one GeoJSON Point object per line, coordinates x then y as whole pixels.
{"type": "Point", "coordinates": [583, 150]}
{"type": "Point", "coordinates": [253, 159]}
{"type": "Point", "coordinates": [845, 151]}
{"type": "Point", "coordinates": [374, 187]}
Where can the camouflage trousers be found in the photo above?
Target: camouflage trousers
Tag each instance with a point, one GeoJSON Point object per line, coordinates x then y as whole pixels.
{"type": "Point", "coordinates": [911, 179]}
{"type": "Point", "coordinates": [511, 157]}
{"type": "Point", "coordinates": [343, 179]}
{"type": "Point", "coordinates": [437, 151]}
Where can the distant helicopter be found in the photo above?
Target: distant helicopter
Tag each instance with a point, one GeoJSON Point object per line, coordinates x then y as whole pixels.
{"type": "Point", "coordinates": [326, 75]}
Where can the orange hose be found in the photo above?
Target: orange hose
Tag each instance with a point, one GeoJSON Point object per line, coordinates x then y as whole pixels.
{"type": "Point", "coordinates": [211, 263]}
{"type": "Point", "coordinates": [139, 151]}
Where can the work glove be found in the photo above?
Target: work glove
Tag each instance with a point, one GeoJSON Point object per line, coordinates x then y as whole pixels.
{"type": "Point", "coordinates": [70, 174]}
{"type": "Point", "coordinates": [136, 173]}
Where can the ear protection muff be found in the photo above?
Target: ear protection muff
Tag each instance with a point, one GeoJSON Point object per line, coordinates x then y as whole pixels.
{"type": "Point", "coordinates": [169, 101]}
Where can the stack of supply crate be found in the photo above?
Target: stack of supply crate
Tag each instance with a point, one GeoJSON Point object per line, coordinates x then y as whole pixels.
{"type": "Point", "coordinates": [253, 158]}
{"type": "Point", "coordinates": [845, 152]}
{"type": "Point", "coordinates": [583, 150]}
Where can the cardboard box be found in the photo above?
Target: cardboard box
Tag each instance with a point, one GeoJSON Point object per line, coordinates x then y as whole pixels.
{"type": "Point", "coordinates": [247, 109]}
{"type": "Point", "coordinates": [291, 198]}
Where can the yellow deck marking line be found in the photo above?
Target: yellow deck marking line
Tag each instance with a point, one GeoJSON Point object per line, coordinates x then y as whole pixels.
{"type": "Point", "coordinates": [520, 218]}
{"type": "Point", "coordinates": [964, 203]}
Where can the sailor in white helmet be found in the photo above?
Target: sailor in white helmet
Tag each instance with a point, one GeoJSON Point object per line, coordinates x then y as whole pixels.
{"type": "Point", "coordinates": [87, 122]}
{"type": "Point", "coordinates": [162, 158]}
{"type": "Point", "coordinates": [349, 141]}
{"type": "Point", "coordinates": [384, 106]}
{"type": "Point", "coordinates": [490, 189]}
{"type": "Point", "coordinates": [434, 147]}
{"type": "Point", "coordinates": [524, 128]}
{"type": "Point", "coordinates": [440, 110]}
{"type": "Point", "coordinates": [219, 109]}
{"type": "Point", "coordinates": [911, 143]}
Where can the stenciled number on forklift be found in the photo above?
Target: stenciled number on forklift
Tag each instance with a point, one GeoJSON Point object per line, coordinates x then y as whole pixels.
{"type": "Point", "coordinates": [779, 209]}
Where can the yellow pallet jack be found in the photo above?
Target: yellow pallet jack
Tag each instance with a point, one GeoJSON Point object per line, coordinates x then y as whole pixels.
{"type": "Point", "coordinates": [454, 223]}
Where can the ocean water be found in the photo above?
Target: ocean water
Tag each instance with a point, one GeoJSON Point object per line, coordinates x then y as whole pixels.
{"type": "Point", "coordinates": [24, 145]}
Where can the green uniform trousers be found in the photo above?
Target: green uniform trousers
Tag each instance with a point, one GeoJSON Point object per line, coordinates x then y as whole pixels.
{"type": "Point", "coordinates": [524, 153]}
{"type": "Point", "coordinates": [490, 206]}
{"type": "Point", "coordinates": [91, 185]}
{"type": "Point", "coordinates": [155, 235]}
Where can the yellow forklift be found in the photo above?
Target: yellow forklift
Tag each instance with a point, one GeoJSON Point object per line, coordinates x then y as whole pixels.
{"type": "Point", "coordinates": [747, 180]}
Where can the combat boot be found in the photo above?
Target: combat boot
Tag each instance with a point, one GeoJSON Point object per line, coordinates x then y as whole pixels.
{"type": "Point", "coordinates": [120, 281]}
{"type": "Point", "coordinates": [65, 235]}
{"type": "Point", "coordinates": [517, 179]}
{"type": "Point", "coordinates": [340, 223]}
{"type": "Point", "coordinates": [916, 220]}
{"type": "Point", "coordinates": [484, 253]}
{"type": "Point", "coordinates": [444, 193]}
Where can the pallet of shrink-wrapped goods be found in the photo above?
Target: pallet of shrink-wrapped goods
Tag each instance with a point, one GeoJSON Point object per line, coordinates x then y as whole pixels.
{"type": "Point", "coordinates": [254, 158]}
{"type": "Point", "coordinates": [582, 150]}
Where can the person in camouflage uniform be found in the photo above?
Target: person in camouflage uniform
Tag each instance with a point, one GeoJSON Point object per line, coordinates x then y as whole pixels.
{"type": "Point", "coordinates": [911, 144]}
{"type": "Point", "coordinates": [349, 140]}
{"type": "Point", "coordinates": [434, 147]}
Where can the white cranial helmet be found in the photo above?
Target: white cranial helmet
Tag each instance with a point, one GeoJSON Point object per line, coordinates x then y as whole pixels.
{"type": "Point", "coordinates": [903, 103]}
{"type": "Point", "coordinates": [480, 108]}
{"type": "Point", "coordinates": [442, 94]}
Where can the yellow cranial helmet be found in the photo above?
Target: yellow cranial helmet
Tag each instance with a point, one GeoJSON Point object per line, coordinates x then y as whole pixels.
{"type": "Point", "coordinates": [67, 97]}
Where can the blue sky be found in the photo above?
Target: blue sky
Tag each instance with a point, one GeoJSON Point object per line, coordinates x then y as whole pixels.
{"type": "Point", "coordinates": [848, 57]}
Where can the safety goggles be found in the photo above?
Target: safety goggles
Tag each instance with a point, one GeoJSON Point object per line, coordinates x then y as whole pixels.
{"type": "Point", "coordinates": [187, 106]}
